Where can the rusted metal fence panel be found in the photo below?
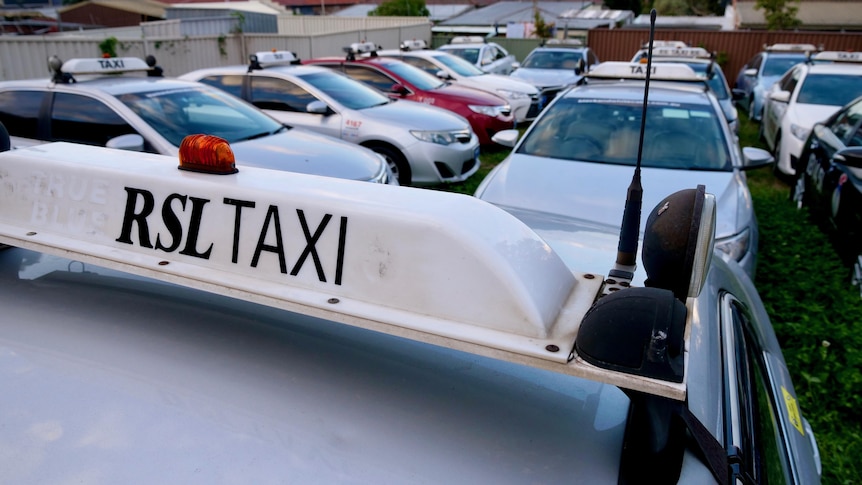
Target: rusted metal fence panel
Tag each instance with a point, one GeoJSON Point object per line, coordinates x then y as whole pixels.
{"type": "Point", "coordinates": [734, 48]}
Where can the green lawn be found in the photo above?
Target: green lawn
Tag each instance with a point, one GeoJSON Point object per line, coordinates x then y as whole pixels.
{"type": "Point", "coordinates": [816, 313]}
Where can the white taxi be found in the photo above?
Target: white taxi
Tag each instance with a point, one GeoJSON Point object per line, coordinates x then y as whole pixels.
{"type": "Point", "coordinates": [487, 56]}
{"type": "Point", "coordinates": [173, 326]}
{"type": "Point", "coordinates": [423, 144]}
{"type": "Point", "coordinates": [808, 93]}
{"type": "Point", "coordinates": [522, 96]}
{"type": "Point", "coordinates": [118, 102]}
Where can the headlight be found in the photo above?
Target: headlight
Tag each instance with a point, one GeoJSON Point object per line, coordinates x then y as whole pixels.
{"type": "Point", "coordinates": [438, 137]}
{"type": "Point", "coordinates": [493, 111]}
{"type": "Point", "coordinates": [799, 132]}
{"type": "Point", "coordinates": [512, 94]}
{"type": "Point", "coordinates": [734, 247]}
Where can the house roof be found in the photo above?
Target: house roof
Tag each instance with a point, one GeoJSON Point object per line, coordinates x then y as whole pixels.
{"type": "Point", "coordinates": [438, 12]}
{"type": "Point", "coordinates": [149, 8]}
{"type": "Point", "coordinates": [501, 13]}
{"type": "Point", "coordinates": [252, 6]}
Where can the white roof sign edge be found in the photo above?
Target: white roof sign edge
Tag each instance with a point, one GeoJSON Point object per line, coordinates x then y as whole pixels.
{"type": "Point", "coordinates": [441, 268]}
{"type": "Point", "coordinates": [664, 71]}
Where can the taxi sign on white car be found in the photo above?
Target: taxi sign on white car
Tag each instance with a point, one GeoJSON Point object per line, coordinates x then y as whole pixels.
{"type": "Point", "coordinates": [666, 71]}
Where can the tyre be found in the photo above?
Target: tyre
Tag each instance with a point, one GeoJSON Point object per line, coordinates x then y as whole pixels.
{"type": "Point", "coordinates": [396, 161]}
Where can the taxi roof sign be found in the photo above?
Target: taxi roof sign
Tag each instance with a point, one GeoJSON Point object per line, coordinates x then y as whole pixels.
{"type": "Point", "coordinates": [692, 52]}
{"type": "Point", "coordinates": [276, 57]}
{"type": "Point", "coordinates": [665, 71]}
{"type": "Point", "coordinates": [674, 44]}
{"type": "Point", "coordinates": [413, 45]}
{"type": "Point", "coordinates": [837, 56]}
{"type": "Point", "coordinates": [106, 65]}
{"type": "Point", "coordinates": [441, 268]}
{"type": "Point", "coordinates": [791, 47]}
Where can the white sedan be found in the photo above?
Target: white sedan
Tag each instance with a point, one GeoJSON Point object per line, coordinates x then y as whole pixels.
{"type": "Point", "coordinates": [808, 93]}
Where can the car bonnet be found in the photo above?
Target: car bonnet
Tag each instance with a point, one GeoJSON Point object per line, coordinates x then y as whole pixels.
{"type": "Point", "coordinates": [412, 115]}
{"type": "Point", "coordinates": [546, 77]}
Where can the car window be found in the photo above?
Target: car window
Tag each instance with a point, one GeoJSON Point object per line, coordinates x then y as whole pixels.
{"type": "Point", "coordinates": [19, 112]}
{"type": "Point", "coordinates": [371, 76]}
{"type": "Point", "coordinates": [231, 83]}
{"type": "Point", "coordinates": [755, 430]}
{"type": "Point", "coordinates": [498, 52]}
{"type": "Point", "coordinates": [778, 65]}
{"type": "Point", "coordinates": [420, 63]}
{"type": "Point", "coordinates": [680, 136]}
{"type": "Point", "coordinates": [349, 92]}
{"type": "Point", "coordinates": [82, 119]}
{"type": "Point", "coordinates": [553, 60]}
{"type": "Point", "coordinates": [756, 62]}
{"type": "Point", "coordinates": [279, 94]}
{"type": "Point", "coordinates": [176, 113]}
{"type": "Point", "coordinates": [856, 139]}
{"type": "Point", "coordinates": [460, 65]}
{"type": "Point", "coordinates": [829, 89]}
{"type": "Point", "coordinates": [847, 121]}
{"type": "Point", "coordinates": [471, 54]}
{"type": "Point", "coordinates": [413, 75]}
{"type": "Point", "coordinates": [789, 80]}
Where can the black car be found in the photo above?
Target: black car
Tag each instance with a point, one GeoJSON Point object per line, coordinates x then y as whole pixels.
{"type": "Point", "coordinates": [830, 180]}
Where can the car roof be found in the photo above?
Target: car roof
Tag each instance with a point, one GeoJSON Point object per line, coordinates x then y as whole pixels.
{"type": "Point", "coordinates": [113, 85]}
{"type": "Point", "coordinates": [295, 70]}
{"type": "Point", "coordinates": [632, 90]}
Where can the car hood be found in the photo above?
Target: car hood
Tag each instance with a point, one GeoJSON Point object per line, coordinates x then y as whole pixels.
{"type": "Point", "coordinates": [301, 151]}
{"type": "Point", "coordinates": [546, 77]}
{"type": "Point", "coordinates": [596, 192]}
{"type": "Point", "coordinates": [413, 115]}
{"type": "Point", "coordinates": [808, 114]}
{"type": "Point", "coordinates": [496, 81]}
{"type": "Point", "coordinates": [468, 95]}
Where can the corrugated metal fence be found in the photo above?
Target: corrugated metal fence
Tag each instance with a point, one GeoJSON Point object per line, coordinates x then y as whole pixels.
{"type": "Point", "coordinates": [25, 57]}
{"type": "Point", "coordinates": [734, 48]}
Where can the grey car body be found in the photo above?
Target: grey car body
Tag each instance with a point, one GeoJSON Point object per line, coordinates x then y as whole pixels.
{"type": "Point", "coordinates": [574, 159]}
{"type": "Point", "coordinates": [120, 378]}
{"type": "Point", "coordinates": [163, 111]}
{"type": "Point", "coordinates": [553, 68]}
{"type": "Point", "coordinates": [357, 113]}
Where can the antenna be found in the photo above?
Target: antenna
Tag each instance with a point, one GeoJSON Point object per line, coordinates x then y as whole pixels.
{"type": "Point", "coordinates": [630, 230]}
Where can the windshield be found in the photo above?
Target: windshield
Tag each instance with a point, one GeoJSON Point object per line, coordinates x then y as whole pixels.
{"type": "Point", "coordinates": [460, 66]}
{"type": "Point", "coordinates": [715, 81]}
{"type": "Point", "coordinates": [778, 65]}
{"type": "Point", "coordinates": [176, 113]}
{"type": "Point", "coordinates": [830, 89]}
{"type": "Point", "coordinates": [679, 136]}
{"type": "Point", "coordinates": [349, 92]}
{"type": "Point", "coordinates": [413, 75]}
{"type": "Point", "coordinates": [470, 54]}
{"type": "Point", "coordinates": [553, 60]}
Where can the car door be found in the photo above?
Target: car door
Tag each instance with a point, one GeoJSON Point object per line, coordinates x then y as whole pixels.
{"type": "Point", "coordinates": [288, 102]}
{"type": "Point", "coordinates": [496, 60]}
{"type": "Point", "coordinates": [767, 439]}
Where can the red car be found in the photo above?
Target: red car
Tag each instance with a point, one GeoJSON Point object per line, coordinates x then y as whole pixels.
{"type": "Point", "coordinates": [486, 112]}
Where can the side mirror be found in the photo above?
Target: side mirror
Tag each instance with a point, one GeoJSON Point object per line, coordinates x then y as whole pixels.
{"type": "Point", "coordinates": [317, 107]}
{"type": "Point", "coordinates": [507, 138]}
{"type": "Point", "coordinates": [443, 74]}
{"type": "Point", "coordinates": [516, 65]}
{"type": "Point", "coordinates": [581, 68]}
{"type": "Point", "coordinates": [755, 158]}
{"type": "Point", "coordinates": [132, 142]}
{"type": "Point", "coordinates": [399, 89]}
{"type": "Point", "coordinates": [780, 96]}
{"type": "Point", "coordinates": [851, 157]}
{"type": "Point", "coordinates": [752, 72]}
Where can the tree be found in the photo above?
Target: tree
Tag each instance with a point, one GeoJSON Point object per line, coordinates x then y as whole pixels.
{"type": "Point", "coordinates": [633, 5]}
{"type": "Point", "coordinates": [779, 14]}
{"type": "Point", "coordinates": [401, 8]}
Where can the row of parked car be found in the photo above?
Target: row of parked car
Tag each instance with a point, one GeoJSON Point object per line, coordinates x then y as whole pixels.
{"type": "Point", "coordinates": [700, 394]}
{"type": "Point", "coordinates": [809, 105]}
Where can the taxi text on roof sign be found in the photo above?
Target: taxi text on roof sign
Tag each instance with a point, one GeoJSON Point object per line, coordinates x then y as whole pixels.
{"type": "Point", "coordinates": [441, 268]}
{"type": "Point", "coordinates": [104, 65]}
{"type": "Point", "coordinates": [665, 71]}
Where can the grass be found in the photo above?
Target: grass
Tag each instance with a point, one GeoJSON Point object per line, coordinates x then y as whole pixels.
{"type": "Point", "coordinates": [816, 313]}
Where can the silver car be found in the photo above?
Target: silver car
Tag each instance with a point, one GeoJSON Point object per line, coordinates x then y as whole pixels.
{"type": "Point", "coordinates": [574, 157]}
{"type": "Point", "coordinates": [487, 56]}
{"type": "Point", "coordinates": [554, 67]}
{"type": "Point", "coordinates": [106, 102]}
{"type": "Point", "coordinates": [762, 71]}
{"type": "Point", "coordinates": [424, 145]}
{"type": "Point", "coordinates": [385, 336]}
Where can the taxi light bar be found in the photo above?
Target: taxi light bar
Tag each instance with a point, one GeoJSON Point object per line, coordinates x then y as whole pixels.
{"type": "Point", "coordinates": [104, 65]}
{"type": "Point", "coordinates": [691, 52]}
{"type": "Point", "coordinates": [565, 42]}
{"type": "Point", "coordinates": [413, 45]}
{"type": "Point", "coordinates": [208, 154]}
{"type": "Point", "coordinates": [790, 47]}
{"type": "Point", "coordinates": [467, 39]}
{"type": "Point", "coordinates": [361, 47]}
{"type": "Point", "coordinates": [435, 267]}
{"type": "Point", "coordinates": [665, 71]}
{"type": "Point", "coordinates": [276, 57]}
{"type": "Point", "coordinates": [837, 56]}
{"type": "Point", "coordinates": [674, 44]}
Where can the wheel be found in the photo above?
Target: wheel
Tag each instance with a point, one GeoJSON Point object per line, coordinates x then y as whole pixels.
{"type": "Point", "coordinates": [396, 161]}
